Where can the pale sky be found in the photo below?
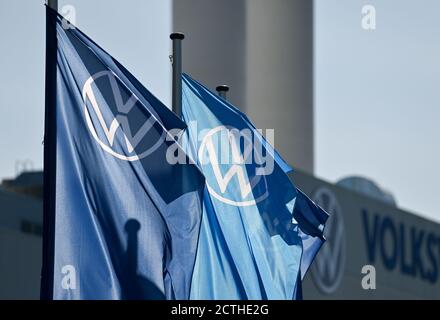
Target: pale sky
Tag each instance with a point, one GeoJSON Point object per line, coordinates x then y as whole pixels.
{"type": "Point", "coordinates": [377, 101]}
{"type": "Point", "coordinates": [136, 34]}
{"type": "Point", "coordinates": [377, 97]}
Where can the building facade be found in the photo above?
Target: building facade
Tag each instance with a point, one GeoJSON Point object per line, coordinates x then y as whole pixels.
{"type": "Point", "coordinates": [21, 226]}
{"type": "Point", "coordinates": [362, 231]}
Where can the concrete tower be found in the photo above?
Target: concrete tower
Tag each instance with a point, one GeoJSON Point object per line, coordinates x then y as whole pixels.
{"type": "Point", "coordinates": [264, 51]}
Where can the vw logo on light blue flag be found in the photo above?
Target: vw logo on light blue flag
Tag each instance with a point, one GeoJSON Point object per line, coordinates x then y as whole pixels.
{"type": "Point", "coordinates": [232, 158]}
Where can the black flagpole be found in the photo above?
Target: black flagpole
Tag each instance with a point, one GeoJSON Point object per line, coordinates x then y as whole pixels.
{"type": "Point", "coordinates": [47, 272]}
{"type": "Point", "coordinates": [177, 38]}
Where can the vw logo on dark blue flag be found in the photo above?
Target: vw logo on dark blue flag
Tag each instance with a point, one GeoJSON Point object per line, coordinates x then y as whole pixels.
{"type": "Point", "coordinates": [117, 120]}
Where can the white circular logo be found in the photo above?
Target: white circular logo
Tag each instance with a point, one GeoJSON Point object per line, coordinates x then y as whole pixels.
{"type": "Point", "coordinates": [328, 268]}
{"type": "Point", "coordinates": [118, 138]}
{"type": "Point", "coordinates": [232, 167]}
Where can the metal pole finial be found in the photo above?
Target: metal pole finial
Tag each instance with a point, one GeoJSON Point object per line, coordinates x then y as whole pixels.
{"type": "Point", "coordinates": [177, 36]}
{"type": "Point", "coordinates": [222, 91]}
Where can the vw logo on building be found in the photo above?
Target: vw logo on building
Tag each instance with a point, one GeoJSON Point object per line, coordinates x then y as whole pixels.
{"type": "Point", "coordinates": [328, 268]}
{"type": "Point", "coordinates": [119, 123]}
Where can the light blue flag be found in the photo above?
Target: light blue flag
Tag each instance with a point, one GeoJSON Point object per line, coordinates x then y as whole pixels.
{"type": "Point", "coordinates": [259, 234]}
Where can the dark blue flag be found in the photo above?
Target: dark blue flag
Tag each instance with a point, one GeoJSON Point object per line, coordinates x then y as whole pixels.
{"type": "Point", "coordinates": [126, 221]}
